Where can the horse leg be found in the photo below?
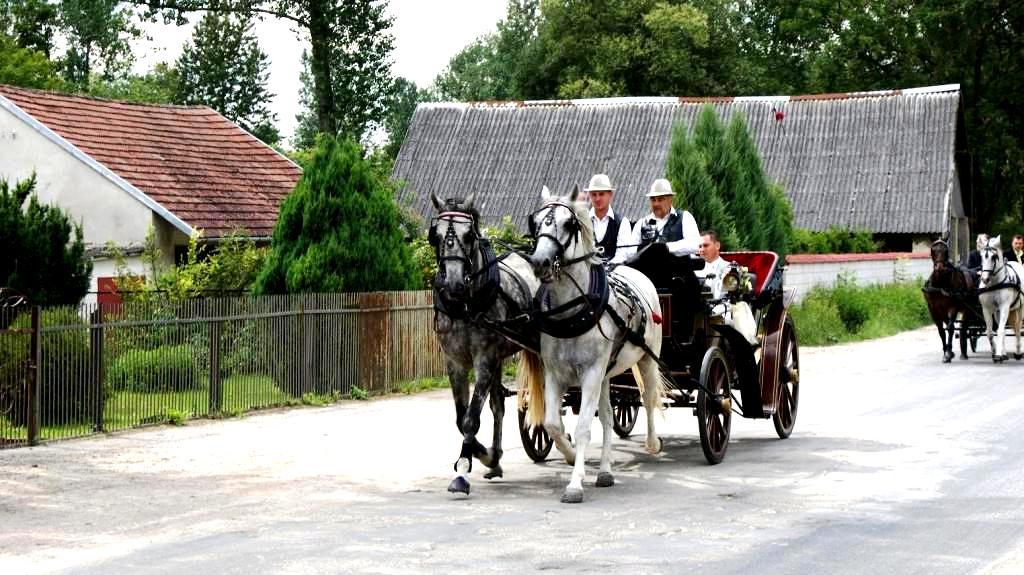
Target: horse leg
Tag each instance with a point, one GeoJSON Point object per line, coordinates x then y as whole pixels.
{"type": "Point", "coordinates": [553, 393]}
{"type": "Point", "coordinates": [590, 393]}
{"type": "Point", "coordinates": [470, 425]}
{"type": "Point", "coordinates": [458, 378]}
{"type": "Point", "coordinates": [498, 413]}
{"type": "Point", "coordinates": [947, 347]}
{"type": "Point", "coordinates": [987, 316]}
{"type": "Point", "coordinates": [941, 326]}
{"type": "Point", "coordinates": [604, 413]}
{"type": "Point", "coordinates": [963, 335]}
{"type": "Point", "coordinates": [651, 400]}
{"type": "Point", "coordinates": [1004, 315]}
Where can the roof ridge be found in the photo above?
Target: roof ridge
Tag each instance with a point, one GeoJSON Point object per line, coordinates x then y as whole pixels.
{"type": "Point", "coordinates": [674, 100]}
{"type": "Point", "coordinates": [65, 95]}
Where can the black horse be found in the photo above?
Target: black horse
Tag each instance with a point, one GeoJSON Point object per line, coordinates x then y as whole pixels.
{"type": "Point", "coordinates": [948, 294]}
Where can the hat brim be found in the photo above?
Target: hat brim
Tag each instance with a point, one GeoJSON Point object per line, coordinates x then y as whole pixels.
{"type": "Point", "coordinates": [659, 194]}
{"type": "Point", "coordinates": [588, 190]}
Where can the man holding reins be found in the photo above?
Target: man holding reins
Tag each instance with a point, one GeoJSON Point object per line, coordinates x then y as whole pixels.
{"type": "Point", "coordinates": [610, 229]}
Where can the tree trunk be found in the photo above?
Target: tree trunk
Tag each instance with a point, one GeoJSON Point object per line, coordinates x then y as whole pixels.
{"type": "Point", "coordinates": [320, 39]}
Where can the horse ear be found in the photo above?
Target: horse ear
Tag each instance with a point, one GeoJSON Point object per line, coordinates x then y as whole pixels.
{"type": "Point", "coordinates": [996, 242]}
{"type": "Point", "coordinates": [573, 193]}
{"type": "Point", "coordinates": [468, 204]}
{"type": "Point", "coordinates": [545, 194]}
{"type": "Point", "coordinates": [438, 204]}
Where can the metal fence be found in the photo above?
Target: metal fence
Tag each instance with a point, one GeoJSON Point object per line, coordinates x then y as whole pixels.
{"type": "Point", "coordinates": [72, 371]}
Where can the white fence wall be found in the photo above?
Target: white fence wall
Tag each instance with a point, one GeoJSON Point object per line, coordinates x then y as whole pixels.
{"type": "Point", "coordinates": [805, 271]}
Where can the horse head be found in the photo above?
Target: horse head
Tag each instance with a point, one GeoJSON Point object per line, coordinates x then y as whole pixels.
{"type": "Point", "coordinates": [940, 255]}
{"type": "Point", "coordinates": [563, 232]}
{"type": "Point", "coordinates": [455, 235]}
{"type": "Point", "coordinates": [991, 262]}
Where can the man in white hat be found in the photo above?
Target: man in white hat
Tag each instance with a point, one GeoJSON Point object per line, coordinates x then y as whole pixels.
{"type": "Point", "coordinates": [667, 225]}
{"type": "Point", "coordinates": [610, 229]}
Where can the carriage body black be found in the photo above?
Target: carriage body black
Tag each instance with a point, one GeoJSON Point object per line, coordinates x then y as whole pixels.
{"type": "Point", "coordinates": [713, 368]}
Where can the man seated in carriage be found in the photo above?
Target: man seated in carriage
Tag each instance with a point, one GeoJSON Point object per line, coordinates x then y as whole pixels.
{"type": "Point", "coordinates": [665, 224]}
{"type": "Point", "coordinates": [714, 267]}
{"type": "Point", "coordinates": [610, 229]}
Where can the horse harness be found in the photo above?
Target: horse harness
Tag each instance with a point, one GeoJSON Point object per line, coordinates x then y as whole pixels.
{"type": "Point", "coordinates": [482, 297]}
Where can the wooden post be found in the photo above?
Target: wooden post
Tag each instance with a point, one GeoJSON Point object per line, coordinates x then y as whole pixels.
{"type": "Point", "coordinates": [216, 393]}
{"type": "Point", "coordinates": [98, 372]}
{"type": "Point", "coordinates": [33, 379]}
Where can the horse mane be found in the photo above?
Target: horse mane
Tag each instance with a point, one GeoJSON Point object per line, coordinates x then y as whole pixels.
{"type": "Point", "coordinates": [581, 212]}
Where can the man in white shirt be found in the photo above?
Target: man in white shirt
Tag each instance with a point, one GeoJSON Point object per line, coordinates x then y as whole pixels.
{"type": "Point", "coordinates": [710, 250]}
{"type": "Point", "coordinates": [665, 224]}
{"type": "Point", "coordinates": [610, 229]}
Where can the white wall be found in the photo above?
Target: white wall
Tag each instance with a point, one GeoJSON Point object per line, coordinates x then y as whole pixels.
{"type": "Point", "coordinates": [806, 271]}
{"type": "Point", "coordinates": [107, 212]}
{"type": "Point", "coordinates": [106, 267]}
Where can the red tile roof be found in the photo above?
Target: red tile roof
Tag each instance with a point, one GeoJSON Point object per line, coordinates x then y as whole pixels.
{"type": "Point", "coordinates": [191, 160]}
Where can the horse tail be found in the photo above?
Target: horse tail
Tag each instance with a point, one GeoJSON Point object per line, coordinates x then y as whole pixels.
{"type": "Point", "coordinates": [661, 384]}
{"type": "Point", "coordinates": [530, 382]}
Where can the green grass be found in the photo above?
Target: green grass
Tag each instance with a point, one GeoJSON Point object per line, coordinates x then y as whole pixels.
{"type": "Point", "coordinates": [847, 313]}
{"type": "Point", "coordinates": [240, 394]}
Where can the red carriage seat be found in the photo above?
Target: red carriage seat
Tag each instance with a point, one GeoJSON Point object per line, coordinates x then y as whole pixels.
{"type": "Point", "coordinates": [761, 264]}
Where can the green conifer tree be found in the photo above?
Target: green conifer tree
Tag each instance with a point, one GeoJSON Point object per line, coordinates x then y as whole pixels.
{"type": "Point", "coordinates": [339, 230]}
{"type": "Point", "coordinates": [747, 184]}
{"type": "Point", "coordinates": [696, 192]}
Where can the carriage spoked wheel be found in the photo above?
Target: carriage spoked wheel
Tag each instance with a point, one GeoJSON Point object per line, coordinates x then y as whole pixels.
{"type": "Point", "coordinates": [714, 412]}
{"type": "Point", "coordinates": [789, 383]}
{"type": "Point", "coordinates": [624, 418]}
{"type": "Point", "coordinates": [535, 438]}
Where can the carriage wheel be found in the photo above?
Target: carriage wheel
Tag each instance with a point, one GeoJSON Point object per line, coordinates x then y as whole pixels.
{"type": "Point", "coordinates": [789, 383]}
{"type": "Point", "coordinates": [714, 412]}
{"type": "Point", "coordinates": [624, 418]}
{"type": "Point", "coordinates": [535, 438]}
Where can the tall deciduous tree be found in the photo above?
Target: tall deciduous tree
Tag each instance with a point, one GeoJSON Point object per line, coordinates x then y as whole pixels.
{"type": "Point", "coordinates": [98, 35]}
{"type": "Point", "coordinates": [223, 67]}
{"type": "Point", "coordinates": [158, 86]}
{"type": "Point", "coordinates": [400, 112]}
{"type": "Point", "coordinates": [26, 68]}
{"type": "Point", "coordinates": [350, 53]}
{"type": "Point", "coordinates": [30, 22]}
{"type": "Point", "coordinates": [338, 231]}
{"type": "Point", "coordinates": [44, 256]}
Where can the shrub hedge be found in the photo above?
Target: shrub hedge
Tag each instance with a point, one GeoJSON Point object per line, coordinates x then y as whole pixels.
{"type": "Point", "coordinates": [168, 368]}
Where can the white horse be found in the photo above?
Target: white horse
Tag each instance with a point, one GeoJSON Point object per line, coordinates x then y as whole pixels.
{"type": "Point", "coordinates": [593, 340]}
{"type": "Point", "coordinates": [1000, 292]}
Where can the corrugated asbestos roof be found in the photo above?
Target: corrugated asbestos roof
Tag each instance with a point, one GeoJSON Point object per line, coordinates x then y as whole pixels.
{"type": "Point", "coordinates": [879, 160]}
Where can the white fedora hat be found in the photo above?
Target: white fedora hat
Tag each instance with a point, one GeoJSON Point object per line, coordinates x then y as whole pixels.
{"type": "Point", "coordinates": [660, 187]}
{"type": "Point", "coordinates": [600, 183]}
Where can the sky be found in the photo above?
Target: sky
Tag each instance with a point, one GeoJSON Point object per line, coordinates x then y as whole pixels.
{"type": "Point", "coordinates": [427, 34]}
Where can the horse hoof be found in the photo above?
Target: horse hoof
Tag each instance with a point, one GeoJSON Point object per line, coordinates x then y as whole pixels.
{"type": "Point", "coordinates": [571, 495]}
{"type": "Point", "coordinates": [1018, 356]}
{"type": "Point", "coordinates": [946, 358]}
{"type": "Point", "coordinates": [656, 449]}
{"type": "Point", "coordinates": [605, 479]}
{"type": "Point", "coordinates": [494, 472]}
{"type": "Point", "coordinates": [459, 485]}
{"type": "Point", "coordinates": [1003, 358]}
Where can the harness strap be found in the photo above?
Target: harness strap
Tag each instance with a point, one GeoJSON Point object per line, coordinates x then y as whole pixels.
{"type": "Point", "coordinates": [591, 305]}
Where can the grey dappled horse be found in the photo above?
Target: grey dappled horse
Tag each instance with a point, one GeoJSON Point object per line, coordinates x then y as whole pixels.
{"type": "Point", "coordinates": [1000, 293]}
{"type": "Point", "coordinates": [476, 296]}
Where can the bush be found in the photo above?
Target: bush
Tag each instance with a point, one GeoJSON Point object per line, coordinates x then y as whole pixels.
{"type": "Point", "coordinates": [67, 392]}
{"type": "Point", "coordinates": [851, 313]}
{"type": "Point", "coordinates": [835, 240]}
{"type": "Point", "coordinates": [169, 368]}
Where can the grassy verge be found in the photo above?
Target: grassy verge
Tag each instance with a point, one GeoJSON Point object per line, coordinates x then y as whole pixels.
{"type": "Point", "coordinates": [846, 312]}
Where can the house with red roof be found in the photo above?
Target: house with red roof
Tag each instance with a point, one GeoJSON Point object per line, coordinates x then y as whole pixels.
{"type": "Point", "coordinates": [121, 168]}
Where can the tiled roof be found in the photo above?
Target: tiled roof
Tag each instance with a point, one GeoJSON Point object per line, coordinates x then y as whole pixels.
{"type": "Point", "coordinates": [190, 160]}
{"type": "Point", "coordinates": [884, 161]}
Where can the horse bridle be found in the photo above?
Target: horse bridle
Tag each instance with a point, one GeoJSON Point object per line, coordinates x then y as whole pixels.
{"type": "Point", "coordinates": [982, 273]}
{"type": "Point", "coordinates": [450, 241]}
{"type": "Point", "coordinates": [574, 234]}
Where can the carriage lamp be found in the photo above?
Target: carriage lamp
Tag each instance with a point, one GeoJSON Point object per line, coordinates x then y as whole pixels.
{"type": "Point", "coordinates": [731, 281]}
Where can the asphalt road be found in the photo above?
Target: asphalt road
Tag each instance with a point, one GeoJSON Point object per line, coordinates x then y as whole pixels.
{"type": "Point", "coordinates": [898, 464]}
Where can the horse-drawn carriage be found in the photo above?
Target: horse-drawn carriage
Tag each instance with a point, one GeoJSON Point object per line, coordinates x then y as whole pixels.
{"type": "Point", "coordinates": [604, 340]}
{"type": "Point", "coordinates": [714, 368]}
